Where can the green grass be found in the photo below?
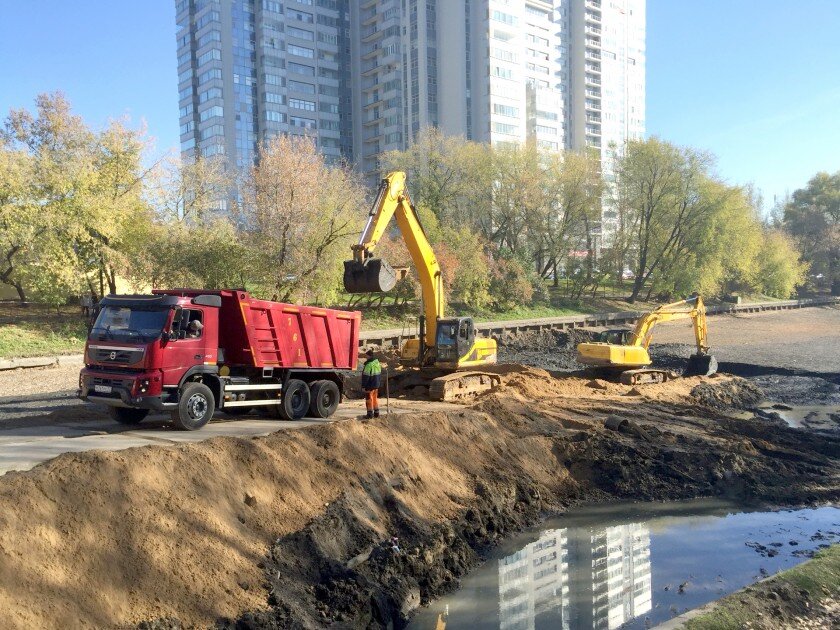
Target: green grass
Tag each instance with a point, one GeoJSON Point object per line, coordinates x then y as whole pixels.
{"type": "Point", "coordinates": [39, 331]}
{"type": "Point", "coordinates": [819, 576]}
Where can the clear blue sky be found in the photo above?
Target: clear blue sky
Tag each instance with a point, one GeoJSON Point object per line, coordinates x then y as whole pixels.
{"type": "Point", "coordinates": [755, 82]}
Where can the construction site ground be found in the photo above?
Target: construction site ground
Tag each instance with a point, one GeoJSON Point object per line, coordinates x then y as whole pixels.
{"type": "Point", "coordinates": [356, 523]}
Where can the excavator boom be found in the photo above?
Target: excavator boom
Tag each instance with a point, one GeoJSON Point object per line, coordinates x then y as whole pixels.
{"type": "Point", "coordinates": [366, 274]}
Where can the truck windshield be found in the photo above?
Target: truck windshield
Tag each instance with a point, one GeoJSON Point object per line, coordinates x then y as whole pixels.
{"type": "Point", "coordinates": [129, 324]}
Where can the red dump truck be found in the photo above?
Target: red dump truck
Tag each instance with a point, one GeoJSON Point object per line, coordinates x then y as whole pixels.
{"type": "Point", "coordinates": [191, 352]}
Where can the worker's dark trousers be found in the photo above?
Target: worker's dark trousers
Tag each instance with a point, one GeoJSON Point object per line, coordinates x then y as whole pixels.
{"type": "Point", "coordinates": [372, 403]}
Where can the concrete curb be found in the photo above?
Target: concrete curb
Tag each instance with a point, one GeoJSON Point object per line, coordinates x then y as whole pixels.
{"type": "Point", "coordinates": [35, 362]}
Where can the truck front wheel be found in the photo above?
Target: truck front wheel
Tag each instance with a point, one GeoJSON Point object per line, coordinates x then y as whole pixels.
{"type": "Point", "coordinates": [295, 400]}
{"type": "Point", "coordinates": [128, 415]}
{"type": "Point", "coordinates": [195, 408]}
{"type": "Point", "coordinates": [325, 397]}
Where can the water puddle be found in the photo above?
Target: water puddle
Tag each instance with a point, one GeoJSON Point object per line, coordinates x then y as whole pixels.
{"type": "Point", "coordinates": [629, 565]}
{"type": "Point", "coordinates": [823, 417]}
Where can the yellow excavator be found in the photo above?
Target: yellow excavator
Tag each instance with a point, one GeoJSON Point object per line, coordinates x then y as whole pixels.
{"type": "Point", "coordinates": [445, 346]}
{"type": "Point", "coordinates": [626, 351]}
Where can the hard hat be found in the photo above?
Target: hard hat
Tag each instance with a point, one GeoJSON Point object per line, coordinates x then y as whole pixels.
{"type": "Point", "coordinates": [196, 325]}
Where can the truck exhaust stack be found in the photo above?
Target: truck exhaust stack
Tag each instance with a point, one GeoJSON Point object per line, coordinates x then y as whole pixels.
{"type": "Point", "coordinates": [374, 275]}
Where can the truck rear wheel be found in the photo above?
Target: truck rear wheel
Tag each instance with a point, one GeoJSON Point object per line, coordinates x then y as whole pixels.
{"type": "Point", "coordinates": [128, 415]}
{"type": "Point", "coordinates": [295, 400]}
{"type": "Point", "coordinates": [195, 408]}
{"type": "Point", "coordinates": [325, 397]}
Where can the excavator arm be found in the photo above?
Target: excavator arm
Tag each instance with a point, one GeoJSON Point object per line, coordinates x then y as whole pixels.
{"type": "Point", "coordinates": [365, 274]}
{"type": "Point", "coordinates": [692, 308]}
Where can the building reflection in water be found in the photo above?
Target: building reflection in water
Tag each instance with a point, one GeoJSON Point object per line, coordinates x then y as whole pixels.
{"type": "Point", "coordinates": [577, 578]}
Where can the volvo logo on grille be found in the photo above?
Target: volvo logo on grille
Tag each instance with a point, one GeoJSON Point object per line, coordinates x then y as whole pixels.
{"type": "Point", "coordinates": [113, 356]}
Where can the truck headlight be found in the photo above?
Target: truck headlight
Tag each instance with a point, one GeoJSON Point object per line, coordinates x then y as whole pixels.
{"type": "Point", "coordinates": [143, 386]}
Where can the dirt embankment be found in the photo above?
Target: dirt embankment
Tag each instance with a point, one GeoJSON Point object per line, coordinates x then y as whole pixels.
{"type": "Point", "coordinates": [357, 523]}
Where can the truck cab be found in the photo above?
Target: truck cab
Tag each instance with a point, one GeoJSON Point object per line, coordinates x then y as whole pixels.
{"type": "Point", "coordinates": [142, 348]}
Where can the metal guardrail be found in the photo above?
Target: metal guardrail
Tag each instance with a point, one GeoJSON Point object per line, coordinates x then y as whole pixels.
{"type": "Point", "coordinates": [395, 337]}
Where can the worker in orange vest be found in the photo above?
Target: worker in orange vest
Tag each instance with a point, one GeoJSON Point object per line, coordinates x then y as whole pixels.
{"type": "Point", "coordinates": [371, 380]}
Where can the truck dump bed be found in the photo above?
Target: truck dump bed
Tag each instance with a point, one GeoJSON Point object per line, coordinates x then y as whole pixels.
{"type": "Point", "coordinates": [262, 333]}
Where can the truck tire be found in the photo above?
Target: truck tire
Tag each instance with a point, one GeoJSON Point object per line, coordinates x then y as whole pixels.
{"type": "Point", "coordinates": [324, 399]}
{"type": "Point", "coordinates": [195, 408]}
{"type": "Point", "coordinates": [295, 401]}
{"type": "Point", "coordinates": [128, 415]}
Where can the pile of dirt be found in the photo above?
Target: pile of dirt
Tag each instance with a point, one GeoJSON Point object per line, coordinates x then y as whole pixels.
{"type": "Point", "coordinates": [731, 393]}
{"type": "Point", "coordinates": [356, 523]}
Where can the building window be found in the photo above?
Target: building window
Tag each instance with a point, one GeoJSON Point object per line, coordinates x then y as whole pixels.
{"type": "Point", "coordinates": [213, 73]}
{"type": "Point", "coordinates": [505, 110]}
{"type": "Point", "coordinates": [298, 103]}
{"type": "Point", "coordinates": [502, 73]}
{"type": "Point", "coordinates": [300, 33]}
{"type": "Point", "coordinates": [275, 117]}
{"type": "Point", "coordinates": [305, 123]}
{"type": "Point", "coordinates": [300, 51]}
{"type": "Point", "coordinates": [300, 16]}
{"type": "Point", "coordinates": [298, 68]}
{"type": "Point", "coordinates": [299, 86]}
{"type": "Point", "coordinates": [213, 54]}
{"type": "Point", "coordinates": [214, 92]}
{"type": "Point", "coordinates": [505, 18]}
{"type": "Point", "coordinates": [510, 130]}
{"type": "Point", "coordinates": [207, 114]}
{"type": "Point", "coordinates": [277, 99]}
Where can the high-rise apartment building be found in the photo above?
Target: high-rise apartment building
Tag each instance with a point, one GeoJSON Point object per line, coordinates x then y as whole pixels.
{"type": "Point", "coordinates": [365, 76]}
{"type": "Point", "coordinates": [250, 69]}
{"type": "Point", "coordinates": [602, 54]}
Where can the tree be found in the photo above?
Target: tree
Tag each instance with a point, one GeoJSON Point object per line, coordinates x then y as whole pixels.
{"type": "Point", "coordinates": [189, 191]}
{"type": "Point", "coordinates": [812, 217]}
{"type": "Point", "coordinates": [781, 270]}
{"type": "Point", "coordinates": [303, 216]}
{"type": "Point", "coordinates": [661, 183]}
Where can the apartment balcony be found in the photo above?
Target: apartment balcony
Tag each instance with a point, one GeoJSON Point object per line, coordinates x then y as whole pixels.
{"type": "Point", "coordinates": [593, 16]}
{"type": "Point", "coordinates": [593, 30]}
{"type": "Point", "coordinates": [592, 80]}
{"type": "Point", "coordinates": [593, 93]}
{"type": "Point", "coordinates": [592, 54]}
{"type": "Point", "coordinates": [593, 4]}
{"type": "Point", "coordinates": [593, 67]}
{"type": "Point", "coordinates": [594, 42]}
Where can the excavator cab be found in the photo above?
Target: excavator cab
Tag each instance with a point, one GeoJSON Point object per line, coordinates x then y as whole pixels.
{"type": "Point", "coordinates": [454, 339]}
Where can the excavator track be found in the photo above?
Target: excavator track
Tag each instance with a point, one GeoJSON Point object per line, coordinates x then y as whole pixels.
{"type": "Point", "coordinates": [462, 385]}
{"type": "Point", "coordinates": [644, 376]}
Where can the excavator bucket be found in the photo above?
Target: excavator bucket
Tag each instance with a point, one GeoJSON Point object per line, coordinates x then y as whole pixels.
{"type": "Point", "coordinates": [375, 275]}
{"type": "Point", "coordinates": [701, 365]}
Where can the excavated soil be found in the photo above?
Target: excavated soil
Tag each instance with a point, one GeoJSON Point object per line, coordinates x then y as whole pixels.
{"type": "Point", "coordinates": [355, 523]}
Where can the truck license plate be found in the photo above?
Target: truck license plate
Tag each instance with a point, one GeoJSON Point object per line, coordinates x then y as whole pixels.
{"type": "Point", "coordinates": [102, 389]}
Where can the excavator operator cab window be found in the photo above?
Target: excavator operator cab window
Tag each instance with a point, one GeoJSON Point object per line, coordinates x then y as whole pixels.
{"type": "Point", "coordinates": [615, 337]}
{"type": "Point", "coordinates": [447, 333]}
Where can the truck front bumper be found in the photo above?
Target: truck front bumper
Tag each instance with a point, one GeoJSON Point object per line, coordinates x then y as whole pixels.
{"type": "Point", "coordinates": [119, 390]}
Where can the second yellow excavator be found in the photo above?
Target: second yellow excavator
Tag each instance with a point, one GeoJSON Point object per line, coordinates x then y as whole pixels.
{"type": "Point", "coordinates": [626, 351]}
{"type": "Point", "coordinates": [447, 345]}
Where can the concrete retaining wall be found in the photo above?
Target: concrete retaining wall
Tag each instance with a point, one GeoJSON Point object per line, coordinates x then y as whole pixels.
{"type": "Point", "coordinates": [395, 337]}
